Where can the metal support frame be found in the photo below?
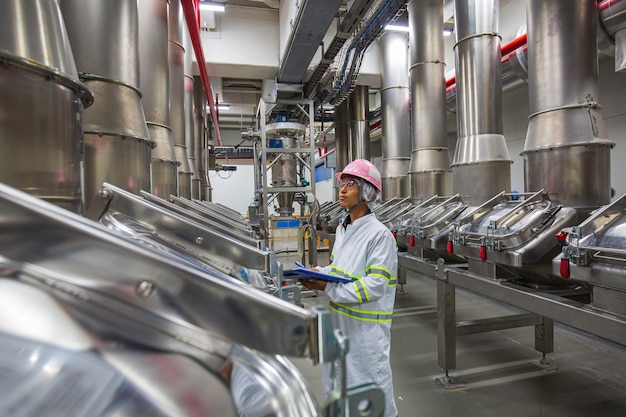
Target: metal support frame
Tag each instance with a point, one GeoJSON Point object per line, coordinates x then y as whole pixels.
{"type": "Point", "coordinates": [543, 309]}
{"type": "Point", "coordinates": [305, 154]}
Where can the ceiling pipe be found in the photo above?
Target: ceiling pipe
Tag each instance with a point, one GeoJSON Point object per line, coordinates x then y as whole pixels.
{"type": "Point", "coordinates": [190, 8]}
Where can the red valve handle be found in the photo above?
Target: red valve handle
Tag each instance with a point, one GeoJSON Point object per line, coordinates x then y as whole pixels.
{"type": "Point", "coordinates": [564, 269]}
{"type": "Point", "coordinates": [394, 235]}
{"type": "Point", "coordinates": [561, 236]}
{"type": "Point", "coordinates": [483, 253]}
{"type": "Point", "coordinates": [450, 247]}
{"type": "Point", "coordinates": [412, 241]}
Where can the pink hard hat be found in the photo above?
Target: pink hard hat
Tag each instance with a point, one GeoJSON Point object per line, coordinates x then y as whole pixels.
{"type": "Point", "coordinates": [364, 169]}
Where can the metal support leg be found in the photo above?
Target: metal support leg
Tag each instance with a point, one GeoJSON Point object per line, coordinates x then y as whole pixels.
{"type": "Point", "coordinates": [544, 339]}
{"type": "Point", "coordinates": [446, 327]}
{"type": "Point", "coordinates": [401, 279]}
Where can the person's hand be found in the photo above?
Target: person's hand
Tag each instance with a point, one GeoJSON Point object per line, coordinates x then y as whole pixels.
{"type": "Point", "coordinates": [314, 284]}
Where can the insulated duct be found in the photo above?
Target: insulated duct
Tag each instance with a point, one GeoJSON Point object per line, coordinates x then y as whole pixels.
{"type": "Point", "coordinates": [481, 166]}
{"type": "Point", "coordinates": [104, 38]}
{"type": "Point", "coordinates": [177, 96]}
{"type": "Point", "coordinates": [154, 82]}
{"type": "Point", "coordinates": [394, 97]}
{"type": "Point", "coordinates": [566, 152]}
{"type": "Point", "coordinates": [429, 171]}
{"type": "Point", "coordinates": [41, 104]}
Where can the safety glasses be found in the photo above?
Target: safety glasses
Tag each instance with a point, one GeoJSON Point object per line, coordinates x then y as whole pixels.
{"type": "Point", "coordinates": [348, 183]}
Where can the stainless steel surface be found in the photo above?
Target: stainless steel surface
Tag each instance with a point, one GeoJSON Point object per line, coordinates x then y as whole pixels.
{"type": "Point", "coordinates": [172, 226]}
{"type": "Point", "coordinates": [164, 164]}
{"type": "Point", "coordinates": [34, 30]}
{"type": "Point", "coordinates": [342, 138]}
{"type": "Point", "coordinates": [478, 182]}
{"type": "Point", "coordinates": [123, 161]}
{"type": "Point", "coordinates": [117, 143]}
{"type": "Point", "coordinates": [245, 235]}
{"type": "Point", "coordinates": [99, 271]}
{"type": "Point", "coordinates": [284, 165]}
{"type": "Point", "coordinates": [104, 38]}
{"type": "Point", "coordinates": [481, 151]}
{"type": "Point", "coordinates": [429, 171]}
{"type": "Point", "coordinates": [223, 210]}
{"type": "Point", "coordinates": [394, 97]}
{"type": "Point", "coordinates": [200, 139]}
{"type": "Point", "coordinates": [184, 171]}
{"type": "Point", "coordinates": [196, 207]}
{"type": "Point", "coordinates": [358, 124]}
{"type": "Point", "coordinates": [176, 58]}
{"type": "Point", "coordinates": [39, 82]}
{"type": "Point", "coordinates": [565, 125]}
{"type": "Point", "coordinates": [53, 345]}
{"type": "Point", "coordinates": [595, 252]}
{"type": "Point", "coordinates": [153, 60]}
{"type": "Point", "coordinates": [514, 230]}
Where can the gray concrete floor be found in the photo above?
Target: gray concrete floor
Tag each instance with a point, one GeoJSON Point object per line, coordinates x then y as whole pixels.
{"type": "Point", "coordinates": [501, 371]}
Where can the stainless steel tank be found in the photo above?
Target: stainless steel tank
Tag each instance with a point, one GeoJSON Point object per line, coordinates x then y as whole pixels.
{"type": "Point", "coordinates": [104, 38]}
{"type": "Point", "coordinates": [41, 104]}
{"type": "Point", "coordinates": [285, 136]}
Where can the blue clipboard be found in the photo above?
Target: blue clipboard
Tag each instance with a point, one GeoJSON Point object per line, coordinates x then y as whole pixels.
{"type": "Point", "coordinates": [302, 273]}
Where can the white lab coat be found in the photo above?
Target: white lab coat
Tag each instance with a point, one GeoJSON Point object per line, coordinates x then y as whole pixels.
{"type": "Point", "coordinates": [366, 252]}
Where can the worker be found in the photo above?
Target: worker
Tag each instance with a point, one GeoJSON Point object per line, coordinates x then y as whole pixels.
{"type": "Point", "coordinates": [365, 251]}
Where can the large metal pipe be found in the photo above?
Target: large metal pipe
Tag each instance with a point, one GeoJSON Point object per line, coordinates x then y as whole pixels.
{"type": "Point", "coordinates": [394, 97]}
{"type": "Point", "coordinates": [41, 104]}
{"type": "Point", "coordinates": [481, 166]}
{"type": "Point", "coordinates": [154, 82]}
{"type": "Point", "coordinates": [177, 96]}
{"type": "Point", "coordinates": [104, 38]}
{"type": "Point", "coordinates": [358, 123]}
{"type": "Point", "coordinates": [566, 152]}
{"type": "Point", "coordinates": [190, 122]}
{"type": "Point", "coordinates": [342, 137]}
{"type": "Point", "coordinates": [429, 171]}
{"type": "Point", "coordinates": [200, 139]}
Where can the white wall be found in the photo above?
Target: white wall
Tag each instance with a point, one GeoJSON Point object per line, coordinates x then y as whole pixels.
{"type": "Point", "coordinates": [234, 189]}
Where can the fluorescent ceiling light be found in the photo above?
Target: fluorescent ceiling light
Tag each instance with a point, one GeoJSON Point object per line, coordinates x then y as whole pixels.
{"type": "Point", "coordinates": [220, 107]}
{"type": "Point", "coordinates": [397, 28]}
{"type": "Point", "coordinates": [212, 6]}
